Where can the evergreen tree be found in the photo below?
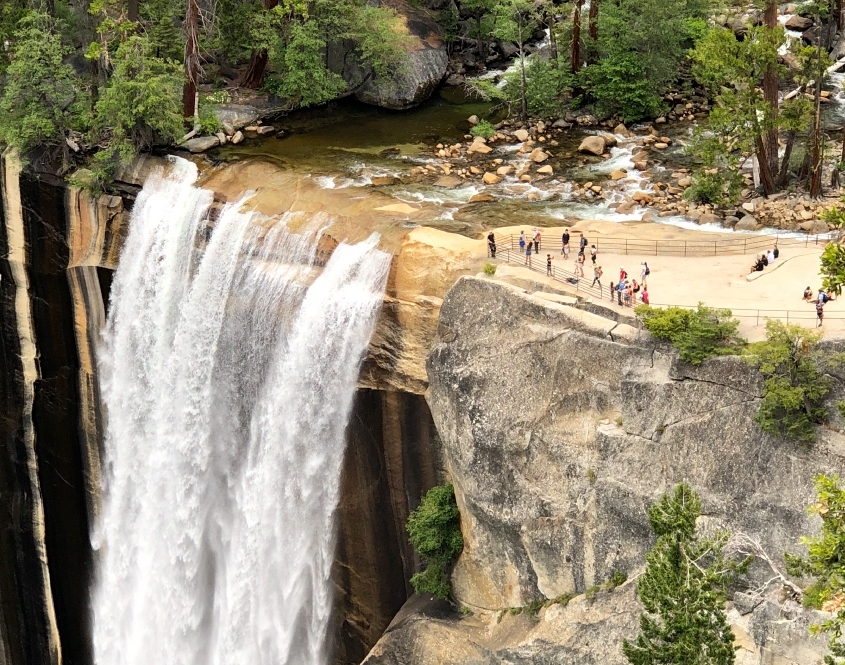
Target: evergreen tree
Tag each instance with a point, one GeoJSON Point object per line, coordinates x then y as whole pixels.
{"type": "Point", "coordinates": [825, 564]}
{"type": "Point", "coordinates": [682, 590]}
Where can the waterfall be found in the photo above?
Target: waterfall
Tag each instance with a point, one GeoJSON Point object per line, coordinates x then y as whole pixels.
{"type": "Point", "coordinates": [229, 365]}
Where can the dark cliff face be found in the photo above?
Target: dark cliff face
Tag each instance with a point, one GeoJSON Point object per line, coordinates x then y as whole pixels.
{"type": "Point", "coordinates": [53, 292]}
{"type": "Point", "coordinates": [45, 618]}
{"type": "Point", "coordinates": [392, 459]}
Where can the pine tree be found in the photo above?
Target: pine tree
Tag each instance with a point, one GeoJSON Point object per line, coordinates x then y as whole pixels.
{"type": "Point", "coordinates": [682, 590]}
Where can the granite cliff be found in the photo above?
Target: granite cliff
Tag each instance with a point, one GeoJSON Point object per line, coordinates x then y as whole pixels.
{"type": "Point", "coordinates": [559, 427]}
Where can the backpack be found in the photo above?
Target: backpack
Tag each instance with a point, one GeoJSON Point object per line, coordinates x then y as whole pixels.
{"type": "Point", "coordinates": [647, 271]}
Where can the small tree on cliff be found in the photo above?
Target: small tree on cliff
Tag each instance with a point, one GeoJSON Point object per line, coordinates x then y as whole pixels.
{"type": "Point", "coordinates": [825, 564]}
{"type": "Point", "coordinates": [683, 590]}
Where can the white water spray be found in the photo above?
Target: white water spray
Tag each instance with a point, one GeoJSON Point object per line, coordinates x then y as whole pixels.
{"type": "Point", "coordinates": [229, 366]}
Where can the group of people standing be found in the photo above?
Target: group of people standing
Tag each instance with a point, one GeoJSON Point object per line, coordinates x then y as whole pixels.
{"type": "Point", "coordinates": [627, 291]}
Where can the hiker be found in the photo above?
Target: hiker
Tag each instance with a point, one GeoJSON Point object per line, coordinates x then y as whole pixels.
{"type": "Point", "coordinates": [770, 257]}
{"type": "Point", "coordinates": [580, 264]}
{"type": "Point", "coordinates": [620, 289]}
{"type": "Point", "coordinates": [644, 273]}
{"type": "Point", "coordinates": [612, 291]}
{"type": "Point", "coordinates": [597, 276]}
{"type": "Point", "coordinates": [644, 295]}
{"type": "Point", "coordinates": [776, 251]}
{"type": "Point", "coordinates": [521, 242]}
{"type": "Point", "coordinates": [635, 287]}
{"type": "Point", "coordinates": [823, 297]}
{"type": "Point", "coordinates": [564, 245]}
{"type": "Point", "coordinates": [549, 265]}
{"type": "Point", "coordinates": [820, 312]}
{"type": "Point", "coordinates": [593, 252]}
{"type": "Point", "coordinates": [629, 293]}
{"type": "Point", "coordinates": [622, 274]}
{"type": "Point", "coordinates": [808, 294]}
{"type": "Point", "coordinates": [491, 245]}
{"type": "Point", "coordinates": [528, 255]}
{"type": "Point", "coordinates": [536, 241]}
{"type": "Point", "coordinates": [758, 265]}
{"type": "Point", "coordinates": [583, 242]}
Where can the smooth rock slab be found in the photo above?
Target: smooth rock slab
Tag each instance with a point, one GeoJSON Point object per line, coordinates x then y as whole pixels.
{"type": "Point", "coordinates": [201, 144]}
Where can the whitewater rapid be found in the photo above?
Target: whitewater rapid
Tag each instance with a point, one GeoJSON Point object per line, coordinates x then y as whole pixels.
{"type": "Point", "coordinates": [229, 365]}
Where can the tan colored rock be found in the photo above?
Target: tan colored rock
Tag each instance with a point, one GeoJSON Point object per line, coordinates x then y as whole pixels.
{"type": "Point", "coordinates": [621, 130]}
{"type": "Point", "coordinates": [684, 182]}
{"type": "Point", "coordinates": [475, 170]}
{"type": "Point", "coordinates": [594, 145]}
{"type": "Point", "coordinates": [504, 170]}
{"type": "Point", "coordinates": [626, 208]}
{"type": "Point", "coordinates": [521, 135]}
{"type": "Point", "coordinates": [479, 146]}
{"type": "Point", "coordinates": [491, 179]}
{"type": "Point", "coordinates": [525, 178]}
{"type": "Point", "coordinates": [447, 181]}
{"type": "Point", "coordinates": [384, 180]}
{"type": "Point", "coordinates": [609, 140]}
{"type": "Point", "coordinates": [661, 146]}
{"type": "Point", "coordinates": [546, 170]}
{"type": "Point", "coordinates": [483, 197]}
{"type": "Point", "coordinates": [642, 197]}
{"type": "Point", "coordinates": [619, 174]}
{"type": "Point", "coordinates": [538, 156]}
{"type": "Point", "coordinates": [265, 130]}
{"type": "Point", "coordinates": [473, 120]}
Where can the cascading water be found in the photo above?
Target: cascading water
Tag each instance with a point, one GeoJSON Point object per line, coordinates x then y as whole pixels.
{"type": "Point", "coordinates": [229, 366]}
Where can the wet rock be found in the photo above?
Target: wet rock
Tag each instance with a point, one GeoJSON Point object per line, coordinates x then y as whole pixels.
{"type": "Point", "coordinates": [626, 208]}
{"type": "Point", "coordinates": [265, 130]}
{"type": "Point", "coordinates": [660, 145]}
{"type": "Point", "coordinates": [221, 136]}
{"type": "Point", "coordinates": [709, 218]}
{"type": "Point", "coordinates": [546, 170]}
{"type": "Point", "coordinates": [201, 144]}
{"type": "Point", "coordinates": [609, 140]}
{"type": "Point", "coordinates": [491, 179]}
{"type": "Point", "coordinates": [594, 145]}
{"type": "Point", "coordinates": [730, 221]}
{"type": "Point", "coordinates": [447, 181]}
{"type": "Point", "coordinates": [799, 23]}
{"type": "Point", "coordinates": [504, 170]}
{"type": "Point", "coordinates": [642, 197]}
{"type": "Point", "coordinates": [538, 156]}
{"type": "Point", "coordinates": [237, 137]}
{"type": "Point", "coordinates": [521, 135]}
{"type": "Point", "coordinates": [621, 130]}
{"type": "Point", "coordinates": [480, 146]}
{"type": "Point", "coordinates": [473, 120]}
{"type": "Point", "coordinates": [383, 180]}
{"type": "Point", "coordinates": [619, 174]}
{"type": "Point", "coordinates": [747, 223]}
{"type": "Point", "coordinates": [482, 198]}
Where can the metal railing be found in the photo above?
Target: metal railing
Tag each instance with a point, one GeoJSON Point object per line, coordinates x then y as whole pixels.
{"type": "Point", "coordinates": [581, 285]}
{"type": "Point", "coordinates": [743, 245]}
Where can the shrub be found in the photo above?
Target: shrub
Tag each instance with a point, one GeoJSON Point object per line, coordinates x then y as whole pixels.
{"type": "Point", "coordinates": [619, 87]}
{"type": "Point", "coordinates": [697, 333]}
{"type": "Point", "coordinates": [489, 269]}
{"type": "Point", "coordinates": [434, 529]}
{"type": "Point", "coordinates": [40, 98]}
{"type": "Point", "coordinates": [795, 385]}
{"type": "Point", "coordinates": [483, 129]}
{"type": "Point", "coordinates": [720, 188]}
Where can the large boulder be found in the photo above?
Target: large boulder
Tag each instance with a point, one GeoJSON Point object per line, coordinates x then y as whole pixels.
{"type": "Point", "coordinates": [594, 145]}
{"type": "Point", "coordinates": [236, 115]}
{"type": "Point", "coordinates": [414, 82]}
{"type": "Point", "coordinates": [556, 455]}
{"type": "Point", "coordinates": [799, 23]}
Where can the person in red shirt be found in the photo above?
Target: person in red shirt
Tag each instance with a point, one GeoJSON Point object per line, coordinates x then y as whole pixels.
{"type": "Point", "coordinates": [622, 274]}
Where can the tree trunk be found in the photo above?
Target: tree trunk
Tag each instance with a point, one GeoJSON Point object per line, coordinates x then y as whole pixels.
{"type": "Point", "coordinates": [253, 77]}
{"type": "Point", "coordinates": [594, 19]}
{"type": "Point", "coordinates": [523, 85]}
{"type": "Point", "coordinates": [766, 180]}
{"type": "Point", "coordinates": [770, 94]}
{"type": "Point", "coordinates": [576, 37]}
{"type": "Point", "coordinates": [132, 10]}
{"type": "Point", "coordinates": [51, 7]}
{"type": "Point", "coordinates": [192, 65]}
{"type": "Point", "coordinates": [816, 163]}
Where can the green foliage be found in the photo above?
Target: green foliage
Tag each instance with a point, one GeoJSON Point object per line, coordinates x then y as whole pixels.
{"type": "Point", "coordinates": [434, 529]}
{"type": "Point", "coordinates": [617, 579]}
{"type": "Point", "coordinates": [717, 186]}
{"type": "Point", "coordinates": [485, 130]}
{"type": "Point", "coordinates": [642, 44]}
{"type": "Point", "coordinates": [795, 385]}
{"type": "Point", "coordinates": [825, 564]}
{"type": "Point", "coordinates": [833, 267]}
{"type": "Point", "coordinates": [489, 269]}
{"type": "Point", "coordinates": [734, 71]}
{"type": "Point", "coordinates": [683, 590]}
{"type": "Point", "coordinates": [697, 333]}
{"type": "Point", "coordinates": [620, 87]}
{"type": "Point", "coordinates": [42, 99]}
